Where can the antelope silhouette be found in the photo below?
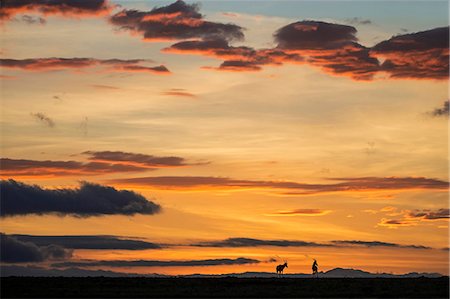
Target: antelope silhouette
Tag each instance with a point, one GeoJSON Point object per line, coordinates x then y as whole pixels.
{"type": "Point", "coordinates": [315, 268]}
{"type": "Point", "coordinates": [280, 268]}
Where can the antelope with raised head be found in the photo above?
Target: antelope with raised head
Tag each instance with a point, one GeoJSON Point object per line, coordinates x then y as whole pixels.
{"type": "Point", "coordinates": [280, 268]}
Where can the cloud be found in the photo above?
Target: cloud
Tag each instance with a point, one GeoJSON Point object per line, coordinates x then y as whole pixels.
{"type": "Point", "coordinates": [87, 200]}
{"type": "Point", "coordinates": [65, 8]}
{"type": "Point", "coordinates": [177, 92]}
{"type": "Point", "coordinates": [358, 21]}
{"type": "Point", "coordinates": [395, 223]}
{"type": "Point", "coordinates": [421, 55]}
{"type": "Point", "coordinates": [33, 271]}
{"type": "Point", "coordinates": [291, 188]}
{"type": "Point", "coordinates": [88, 242]}
{"type": "Point", "coordinates": [33, 20]}
{"type": "Point", "coordinates": [34, 168]}
{"type": "Point", "coordinates": [443, 111]}
{"type": "Point", "coordinates": [44, 119]}
{"type": "Point", "coordinates": [76, 63]}
{"type": "Point", "coordinates": [16, 251]}
{"type": "Point", "coordinates": [333, 47]}
{"type": "Point", "coordinates": [378, 244]}
{"type": "Point", "coordinates": [301, 212]}
{"type": "Point", "coordinates": [248, 242]}
{"type": "Point", "coordinates": [152, 263]}
{"type": "Point", "coordinates": [177, 21]}
{"type": "Point", "coordinates": [140, 160]}
{"type": "Point", "coordinates": [108, 87]}
{"type": "Point", "coordinates": [430, 215]}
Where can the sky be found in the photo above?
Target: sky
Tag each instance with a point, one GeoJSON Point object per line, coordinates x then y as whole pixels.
{"type": "Point", "coordinates": [216, 137]}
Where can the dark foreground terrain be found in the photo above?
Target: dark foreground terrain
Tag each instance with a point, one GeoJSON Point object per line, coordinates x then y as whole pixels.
{"type": "Point", "coordinates": [102, 287]}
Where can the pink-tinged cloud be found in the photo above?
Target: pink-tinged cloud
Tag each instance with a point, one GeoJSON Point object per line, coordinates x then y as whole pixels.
{"type": "Point", "coordinates": [66, 8]}
{"type": "Point", "coordinates": [290, 188]}
{"type": "Point", "coordinates": [421, 55]}
{"type": "Point", "coordinates": [301, 212]}
{"type": "Point", "coordinates": [177, 21]}
{"type": "Point", "coordinates": [58, 64]}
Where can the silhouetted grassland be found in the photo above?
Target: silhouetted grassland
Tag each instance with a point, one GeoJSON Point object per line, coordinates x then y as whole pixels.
{"type": "Point", "coordinates": [102, 287]}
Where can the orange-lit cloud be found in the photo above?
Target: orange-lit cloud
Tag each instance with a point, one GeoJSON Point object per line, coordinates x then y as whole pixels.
{"type": "Point", "coordinates": [135, 159]}
{"type": "Point", "coordinates": [55, 64]}
{"type": "Point", "coordinates": [345, 184]}
{"type": "Point", "coordinates": [412, 217]}
{"type": "Point", "coordinates": [66, 8]}
{"type": "Point", "coordinates": [301, 212]}
{"type": "Point", "coordinates": [177, 21]}
{"type": "Point", "coordinates": [421, 55]}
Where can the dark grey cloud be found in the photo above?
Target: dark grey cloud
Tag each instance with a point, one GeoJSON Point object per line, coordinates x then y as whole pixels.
{"type": "Point", "coordinates": [87, 200]}
{"type": "Point", "coordinates": [89, 242]}
{"type": "Point", "coordinates": [420, 55]}
{"type": "Point", "coordinates": [291, 188]}
{"type": "Point", "coordinates": [429, 214]}
{"type": "Point", "coordinates": [33, 20]}
{"type": "Point", "coordinates": [69, 8]}
{"type": "Point", "coordinates": [442, 111]}
{"type": "Point", "coordinates": [378, 244]}
{"type": "Point", "coordinates": [17, 251]}
{"type": "Point", "coordinates": [135, 158]}
{"type": "Point", "coordinates": [23, 167]}
{"type": "Point", "coordinates": [41, 117]}
{"type": "Point", "coordinates": [177, 21]}
{"type": "Point", "coordinates": [249, 242]}
{"type": "Point", "coordinates": [34, 271]}
{"type": "Point", "coordinates": [310, 35]}
{"type": "Point", "coordinates": [152, 263]}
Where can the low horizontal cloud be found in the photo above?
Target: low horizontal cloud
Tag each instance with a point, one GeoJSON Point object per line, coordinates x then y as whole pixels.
{"type": "Point", "coordinates": [421, 55]}
{"type": "Point", "coordinates": [176, 21]}
{"type": "Point", "coordinates": [358, 21]}
{"type": "Point", "coordinates": [41, 117]}
{"type": "Point", "coordinates": [65, 8]}
{"type": "Point", "coordinates": [76, 63]}
{"type": "Point", "coordinates": [291, 188]}
{"type": "Point", "coordinates": [378, 244]}
{"type": "Point", "coordinates": [152, 263]}
{"type": "Point", "coordinates": [17, 251]}
{"type": "Point", "coordinates": [88, 242]}
{"type": "Point", "coordinates": [89, 199]}
{"type": "Point", "coordinates": [300, 212]}
{"type": "Point", "coordinates": [429, 214]}
{"type": "Point", "coordinates": [249, 242]}
{"type": "Point", "coordinates": [141, 160]}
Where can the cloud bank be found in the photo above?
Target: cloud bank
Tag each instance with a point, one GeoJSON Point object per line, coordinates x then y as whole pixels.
{"type": "Point", "coordinates": [88, 200]}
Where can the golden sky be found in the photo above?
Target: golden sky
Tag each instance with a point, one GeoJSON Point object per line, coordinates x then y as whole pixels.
{"type": "Point", "coordinates": [285, 131]}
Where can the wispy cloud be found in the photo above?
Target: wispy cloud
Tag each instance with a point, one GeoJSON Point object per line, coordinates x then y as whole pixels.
{"type": "Point", "coordinates": [42, 118]}
{"type": "Point", "coordinates": [300, 212]}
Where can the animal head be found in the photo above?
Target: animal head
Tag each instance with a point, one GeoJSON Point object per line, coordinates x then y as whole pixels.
{"type": "Point", "coordinates": [285, 264]}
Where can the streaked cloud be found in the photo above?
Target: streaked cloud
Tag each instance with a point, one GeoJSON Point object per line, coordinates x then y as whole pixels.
{"type": "Point", "coordinates": [442, 111]}
{"type": "Point", "coordinates": [140, 160]}
{"type": "Point", "coordinates": [291, 188]}
{"type": "Point", "coordinates": [58, 64]}
{"type": "Point", "coordinates": [378, 244]}
{"type": "Point", "coordinates": [88, 242]}
{"type": "Point", "coordinates": [300, 212]}
{"type": "Point", "coordinates": [20, 199]}
{"type": "Point", "coordinates": [153, 263]}
{"type": "Point", "coordinates": [178, 92]}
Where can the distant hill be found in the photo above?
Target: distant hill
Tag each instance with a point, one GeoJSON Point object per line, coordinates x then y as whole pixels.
{"type": "Point", "coordinates": [12, 270]}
